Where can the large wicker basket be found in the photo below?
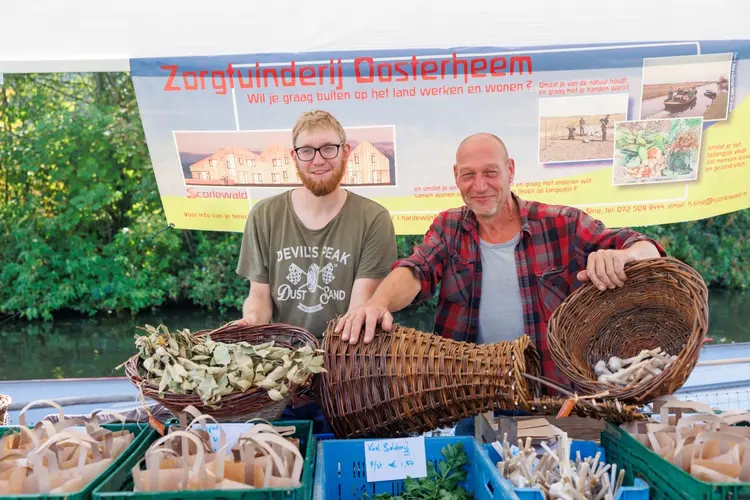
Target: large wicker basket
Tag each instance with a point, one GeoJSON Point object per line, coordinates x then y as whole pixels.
{"type": "Point", "coordinates": [663, 303]}
{"type": "Point", "coordinates": [406, 381]}
{"type": "Point", "coordinates": [237, 406]}
{"type": "Point", "coordinates": [4, 405]}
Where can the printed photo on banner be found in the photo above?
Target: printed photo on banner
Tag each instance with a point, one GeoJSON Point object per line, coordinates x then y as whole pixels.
{"type": "Point", "coordinates": [685, 86]}
{"type": "Point", "coordinates": [651, 151]}
{"type": "Point", "coordinates": [263, 157]}
{"type": "Point", "coordinates": [580, 128]}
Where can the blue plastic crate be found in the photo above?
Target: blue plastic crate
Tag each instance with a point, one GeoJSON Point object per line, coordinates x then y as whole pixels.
{"type": "Point", "coordinates": [340, 470]}
{"type": "Point", "coordinates": [324, 437]}
{"type": "Point", "coordinates": [638, 491]}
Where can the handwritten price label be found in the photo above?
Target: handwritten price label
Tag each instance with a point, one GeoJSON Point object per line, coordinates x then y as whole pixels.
{"type": "Point", "coordinates": [394, 459]}
{"type": "Point", "coordinates": [232, 432]}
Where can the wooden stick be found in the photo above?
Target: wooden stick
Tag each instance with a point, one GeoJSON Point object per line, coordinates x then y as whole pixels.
{"type": "Point", "coordinates": [730, 361]}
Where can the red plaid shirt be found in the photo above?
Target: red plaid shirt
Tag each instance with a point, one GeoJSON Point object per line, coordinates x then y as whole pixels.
{"type": "Point", "coordinates": [554, 245]}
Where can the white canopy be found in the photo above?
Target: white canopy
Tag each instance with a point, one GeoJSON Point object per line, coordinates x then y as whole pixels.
{"type": "Point", "coordinates": [96, 35]}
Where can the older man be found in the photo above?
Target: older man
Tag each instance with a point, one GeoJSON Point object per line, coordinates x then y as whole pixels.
{"type": "Point", "coordinates": [503, 264]}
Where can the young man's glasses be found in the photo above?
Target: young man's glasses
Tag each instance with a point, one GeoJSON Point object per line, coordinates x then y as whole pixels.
{"type": "Point", "coordinates": [327, 152]}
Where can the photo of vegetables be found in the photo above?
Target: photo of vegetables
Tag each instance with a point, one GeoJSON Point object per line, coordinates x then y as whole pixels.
{"type": "Point", "coordinates": [651, 151]}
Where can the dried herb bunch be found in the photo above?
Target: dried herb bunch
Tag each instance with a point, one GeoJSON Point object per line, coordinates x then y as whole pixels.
{"type": "Point", "coordinates": [182, 363]}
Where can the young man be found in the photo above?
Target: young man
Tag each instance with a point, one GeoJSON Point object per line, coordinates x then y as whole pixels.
{"type": "Point", "coordinates": [317, 251]}
{"type": "Point", "coordinates": [503, 264]}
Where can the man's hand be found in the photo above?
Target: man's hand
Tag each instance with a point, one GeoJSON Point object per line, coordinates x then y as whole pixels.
{"type": "Point", "coordinates": [250, 319]}
{"type": "Point", "coordinates": [350, 324]}
{"type": "Point", "coordinates": [606, 268]}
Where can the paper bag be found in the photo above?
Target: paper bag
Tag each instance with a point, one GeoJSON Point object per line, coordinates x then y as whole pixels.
{"type": "Point", "coordinates": [186, 477]}
{"type": "Point", "coordinates": [720, 457]}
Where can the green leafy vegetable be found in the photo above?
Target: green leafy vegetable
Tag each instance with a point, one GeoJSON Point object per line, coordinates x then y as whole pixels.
{"type": "Point", "coordinates": [441, 483]}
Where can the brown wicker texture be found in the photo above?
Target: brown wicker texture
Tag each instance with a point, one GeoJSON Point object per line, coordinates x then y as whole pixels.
{"type": "Point", "coordinates": [237, 406]}
{"type": "Point", "coordinates": [4, 405]}
{"type": "Point", "coordinates": [406, 381]}
{"type": "Point", "coordinates": [663, 303]}
{"type": "Point", "coordinates": [612, 411]}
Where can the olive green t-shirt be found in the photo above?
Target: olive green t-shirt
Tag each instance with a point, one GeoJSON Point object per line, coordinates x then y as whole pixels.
{"type": "Point", "coordinates": [311, 272]}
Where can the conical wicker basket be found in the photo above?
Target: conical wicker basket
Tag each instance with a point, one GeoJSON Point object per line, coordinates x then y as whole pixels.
{"type": "Point", "coordinates": [406, 381]}
{"type": "Point", "coordinates": [4, 405]}
{"type": "Point", "coordinates": [663, 303]}
{"type": "Point", "coordinates": [237, 406]}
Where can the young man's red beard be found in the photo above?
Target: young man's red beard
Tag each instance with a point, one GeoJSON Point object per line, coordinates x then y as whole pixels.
{"type": "Point", "coordinates": [325, 187]}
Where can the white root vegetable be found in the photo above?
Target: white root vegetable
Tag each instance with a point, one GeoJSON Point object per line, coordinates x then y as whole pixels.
{"type": "Point", "coordinates": [615, 364]}
{"type": "Point", "coordinates": [646, 365]}
{"type": "Point", "coordinates": [556, 474]}
{"type": "Point", "coordinates": [601, 368]}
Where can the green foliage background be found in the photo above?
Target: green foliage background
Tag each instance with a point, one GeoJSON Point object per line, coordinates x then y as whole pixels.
{"type": "Point", "coordinates": [78, 196]}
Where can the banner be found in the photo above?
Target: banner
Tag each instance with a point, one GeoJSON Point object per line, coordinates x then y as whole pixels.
{"type": "Point", "coordinates": [635, 134]}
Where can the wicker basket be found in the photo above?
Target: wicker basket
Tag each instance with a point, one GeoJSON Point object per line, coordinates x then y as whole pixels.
{"type": "Point", "coordinates": [406, 381]}
{"type": "Point", "coordinates": [664, 303]}
{"type": "Point", "coordinates": [237, 406]}
{"type": "Point", "coordinates": [4, 405]}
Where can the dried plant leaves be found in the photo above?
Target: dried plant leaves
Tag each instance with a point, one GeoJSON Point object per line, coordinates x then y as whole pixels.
{"type": "Point", "coordinates": [180, 363]}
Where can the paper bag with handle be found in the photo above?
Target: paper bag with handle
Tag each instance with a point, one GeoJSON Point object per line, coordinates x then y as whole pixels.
{"type": "Point", "coordinates": [659, 436]}
{"type": "Point", "coordinates": [720, 457]}
{"type": "Point", "coordinates": [40, 472]}
{"type": "Point", "coordinates": [186, 477]}
{"type": "Point", "coordinates": [263, 457]}
{"type": "Point", "coordinates": [186, 444]}
{"type": "Point", "coordinates": [182, 417]}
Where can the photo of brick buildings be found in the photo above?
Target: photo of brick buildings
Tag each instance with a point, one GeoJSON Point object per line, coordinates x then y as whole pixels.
{"type": "Point", "coordinates": [235, 158]}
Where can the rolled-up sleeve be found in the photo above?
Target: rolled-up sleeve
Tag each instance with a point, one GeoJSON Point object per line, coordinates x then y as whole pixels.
{"type": "Point", "coordinates": [428, 260]}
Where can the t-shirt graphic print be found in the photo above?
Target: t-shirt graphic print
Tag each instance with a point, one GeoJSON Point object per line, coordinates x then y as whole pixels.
{"type": "Point", "coordinates": [311, 287]}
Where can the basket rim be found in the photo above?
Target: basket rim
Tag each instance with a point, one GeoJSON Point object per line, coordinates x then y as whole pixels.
{"type": "Point", "coordinates": [671, 378]}
{"type": "Point", "coordinates": [5, 402]}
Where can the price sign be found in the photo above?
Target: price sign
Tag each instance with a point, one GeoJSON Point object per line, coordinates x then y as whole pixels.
{"type": "Point", "coordinates": [232, 432]}
{"type": "Point", "coordinates": [394, 459]}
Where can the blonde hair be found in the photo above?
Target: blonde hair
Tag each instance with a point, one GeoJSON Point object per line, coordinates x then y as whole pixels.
{"type": "Point", "coordinates": [316, 120]}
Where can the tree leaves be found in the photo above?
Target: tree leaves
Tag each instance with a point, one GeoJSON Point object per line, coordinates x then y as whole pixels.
{"type": "Point", "coordinates": [181, 363]}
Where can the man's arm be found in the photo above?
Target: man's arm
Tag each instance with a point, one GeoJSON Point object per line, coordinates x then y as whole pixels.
{"type": "Point", "coordinates": [362, 290]}
{"type": "Point", "coordinates": [258, 307]}
{"type": "Point", "coordinates": [413, 278]}
{"type": "Point", "coordinates": [604, 252]}
{"type": "Point", "coordinates": [253, 265]}
{"type": "Point", "coordinates": [397, 291]}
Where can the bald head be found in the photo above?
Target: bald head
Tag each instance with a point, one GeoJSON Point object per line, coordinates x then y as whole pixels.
{"type": "Point", "coordinates": [484, 141]}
